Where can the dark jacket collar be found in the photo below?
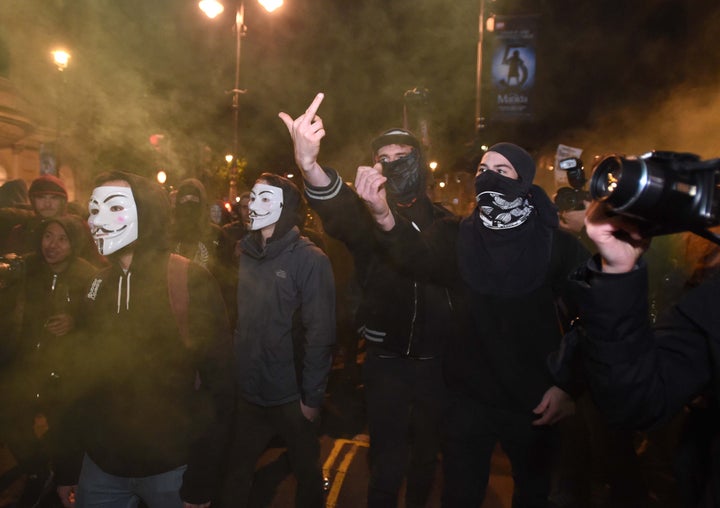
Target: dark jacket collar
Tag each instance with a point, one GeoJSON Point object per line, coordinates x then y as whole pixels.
{"type": "Point", "coordinates": [250, 244]}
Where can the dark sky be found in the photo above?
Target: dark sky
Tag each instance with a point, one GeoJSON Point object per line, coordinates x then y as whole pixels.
{"type": "Point", "coordinates": [612, 75]}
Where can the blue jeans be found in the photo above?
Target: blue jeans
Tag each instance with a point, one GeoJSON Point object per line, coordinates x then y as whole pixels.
{"type": "Point", "coordinates": [97, 488]}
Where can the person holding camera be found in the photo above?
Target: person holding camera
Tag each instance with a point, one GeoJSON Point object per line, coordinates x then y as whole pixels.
{"type": "Point", "coordinates": [572, 205]}
{"type": "Point", "coordinates": [572, 201]}
{"type": "Point", "coordinates": [641, 376]}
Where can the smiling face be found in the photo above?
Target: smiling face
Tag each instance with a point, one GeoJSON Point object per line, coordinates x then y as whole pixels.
{"type": "Point", "coordinates": [113, 216]}
{"type": "Point", "coordinates": [55, 245]}
{"type": "Point", "coordinates": [266, 202]}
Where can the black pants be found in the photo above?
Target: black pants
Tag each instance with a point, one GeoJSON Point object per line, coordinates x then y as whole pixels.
{"type": "Point", "coordinates": [471, 432]}
{"type": "Point", "coordinates": [405, 404]}
{"type": "Point", "coordinates": [254, 427]}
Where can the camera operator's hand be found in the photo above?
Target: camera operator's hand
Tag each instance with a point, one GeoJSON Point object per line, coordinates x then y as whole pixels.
{"type": "Point", "coordinates": [618, 238]}
{"type": "Point", "coordinates": [306, 132]}
{"type": "Point", "coordinates": [369, 185]}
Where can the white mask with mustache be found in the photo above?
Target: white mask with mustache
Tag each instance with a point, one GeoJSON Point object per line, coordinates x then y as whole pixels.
{"type": "Point", "coordinates": [113, 218]}
{"type": "Point", "coordinates": [266, 203]}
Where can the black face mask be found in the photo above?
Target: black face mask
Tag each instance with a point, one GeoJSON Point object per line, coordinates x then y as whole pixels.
{"type": "Point", "coordinates": [405, 178]}
{"type": "Point", "coordinates": [492, 181]}
{"type": "Point", "coordinates": [187, 220]}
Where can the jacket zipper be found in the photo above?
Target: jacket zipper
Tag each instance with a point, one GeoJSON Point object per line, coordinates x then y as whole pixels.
{"type": "Point", "coordinates": [412, 323]}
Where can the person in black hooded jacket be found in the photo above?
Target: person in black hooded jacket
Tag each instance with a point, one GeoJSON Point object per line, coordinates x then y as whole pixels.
{"type": "Point", "coordinates": [196, 237]}
{"type": "Point", "coordinates": [507, 264]}
{"type": "Point", "coordinates": [642, 373]}
{"type": "Point", "coordinates": [150, 398]}
{"type": "Point", "coordinates": [405, 321]}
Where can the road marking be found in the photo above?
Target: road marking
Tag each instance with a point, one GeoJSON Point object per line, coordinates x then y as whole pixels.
{"type": "Point", "coordinates": [339, 477]}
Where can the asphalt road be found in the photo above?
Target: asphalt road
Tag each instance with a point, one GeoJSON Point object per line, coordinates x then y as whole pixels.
{"type": "Point", "coordinates": [344, 455]}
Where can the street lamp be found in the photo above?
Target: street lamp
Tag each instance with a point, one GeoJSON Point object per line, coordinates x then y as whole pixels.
{"type": "Point", "coordinates": [479, 120]}
{"type": "Point", "coordinates": [50, 152]}
{"type": "Point", "coordinates": [213, 8]}
{"type": "Point", "coordinates": [61, 59]}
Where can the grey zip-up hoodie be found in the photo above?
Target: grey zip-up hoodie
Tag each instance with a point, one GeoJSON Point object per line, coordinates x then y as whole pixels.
{"type": "Point", "coordinates": [285, 330]}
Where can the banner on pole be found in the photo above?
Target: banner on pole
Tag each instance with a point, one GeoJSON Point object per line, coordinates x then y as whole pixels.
{"type": "Point", "coordinates": [513, 68]}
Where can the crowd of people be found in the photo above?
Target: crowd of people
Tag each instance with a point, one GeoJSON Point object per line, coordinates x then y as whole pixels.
{"type": "Point", "coordinates": [151, 350]}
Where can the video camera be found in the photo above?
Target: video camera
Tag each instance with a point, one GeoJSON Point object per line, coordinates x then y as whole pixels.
{"type": "Point", "coordinates": [669, 192]}
{"type": "Point", "coordinates": [573, 197]}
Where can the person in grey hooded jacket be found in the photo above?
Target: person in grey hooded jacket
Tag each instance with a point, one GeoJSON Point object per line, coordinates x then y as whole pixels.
{"type": "Point", "coordinates": [283, 342]}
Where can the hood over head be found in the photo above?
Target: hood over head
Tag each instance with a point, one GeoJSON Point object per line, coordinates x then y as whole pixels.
{"type": "Point", "coordinates": [520, 160]}
{"type": "Point", "coordinates": [153, 209]}
{"type": "Point", "coordinates": [14, 193]}
{"type": "Point", "coordinates": [191, 212]}
{"type": "Point", "coordinates": [75, 228]}
{"type": "Point", "coordinates": [292, 198]}
{"type": "Point", "coordinates": [191, 190]}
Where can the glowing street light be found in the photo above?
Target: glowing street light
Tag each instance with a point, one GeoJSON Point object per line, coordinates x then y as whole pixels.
{"type": "Point", "coordinates": [211, 8]}
{"type": "Point", "coordinates": [61, 59]}
{"type": "Point", "coordinates": [271, 5]}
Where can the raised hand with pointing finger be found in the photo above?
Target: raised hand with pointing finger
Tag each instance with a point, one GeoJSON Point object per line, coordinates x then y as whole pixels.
{"type": "Point", "coordinates": [405, 322]}
{"type": "Point", "coordinates": [306, 132]}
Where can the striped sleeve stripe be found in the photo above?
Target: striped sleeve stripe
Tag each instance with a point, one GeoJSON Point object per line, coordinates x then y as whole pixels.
{"type": "Point", "coordinates": [374, 335]}
{"type": "Point", "coordinates": [325, 193]}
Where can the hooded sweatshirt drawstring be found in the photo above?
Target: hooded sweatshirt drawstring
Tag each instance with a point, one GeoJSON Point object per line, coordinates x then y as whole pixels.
{"type": "Point", "coordinates": [127, 292]}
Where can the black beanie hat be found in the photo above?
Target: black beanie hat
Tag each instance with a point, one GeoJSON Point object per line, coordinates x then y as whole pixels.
{"type": "Point", "coordinates": [394, 137]}
{"type": "Point", "coordinates": [48, 184]}
{"type": "Point", "coordinates": [520, 160]}
{"type": "Point", "coordinates": [192, 187]}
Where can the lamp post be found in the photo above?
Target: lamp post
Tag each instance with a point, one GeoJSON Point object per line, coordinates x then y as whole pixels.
{"type": "Point", "coordinates": [479, 120]}
{"type": "Point", "coordinates": [213, 8]}
{"type": "Point", "coordinates": [50, 156]}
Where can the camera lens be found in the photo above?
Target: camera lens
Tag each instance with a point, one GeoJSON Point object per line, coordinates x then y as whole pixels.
{"type": "Point", "coordinates": [618, 181]}
{"type": "Point", "coordinates": [606, 178]}
{"type": "Point", "coordinates": [668, 190]}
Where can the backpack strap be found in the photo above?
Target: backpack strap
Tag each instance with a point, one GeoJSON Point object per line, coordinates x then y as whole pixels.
{"type": "Point", "coordinates": [178, 292]}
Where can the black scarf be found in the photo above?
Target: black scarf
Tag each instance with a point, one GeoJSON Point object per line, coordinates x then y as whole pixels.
{"type": "Point", "coordinates": [405, 178]}
{"type": "Point", "coordinates": [510, 261]}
